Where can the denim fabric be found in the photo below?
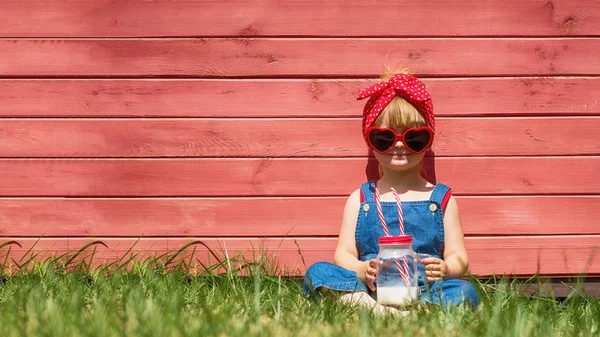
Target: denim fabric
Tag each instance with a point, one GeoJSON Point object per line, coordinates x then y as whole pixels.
{"type": "Point", "coordinates": [423, 220]}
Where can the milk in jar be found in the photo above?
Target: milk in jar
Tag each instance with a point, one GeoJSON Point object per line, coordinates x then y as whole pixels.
{"type": "Point", "coordinates": [397, 275]}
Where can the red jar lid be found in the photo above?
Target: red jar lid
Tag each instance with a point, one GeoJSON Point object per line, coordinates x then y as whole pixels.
{"type": "Point", "coordinates": [395, 239]}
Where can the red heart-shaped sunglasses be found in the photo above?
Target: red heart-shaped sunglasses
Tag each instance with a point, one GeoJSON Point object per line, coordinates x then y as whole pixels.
{"type": "Point", "coordinates": [415, 140]}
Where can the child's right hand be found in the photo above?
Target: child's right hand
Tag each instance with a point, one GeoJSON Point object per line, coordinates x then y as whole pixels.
{"type": "Point", "coordinates": [369, 273]}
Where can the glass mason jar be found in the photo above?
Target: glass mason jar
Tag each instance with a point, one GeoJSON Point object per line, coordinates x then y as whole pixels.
{"type": "Point", "coordinates": [397, 273]}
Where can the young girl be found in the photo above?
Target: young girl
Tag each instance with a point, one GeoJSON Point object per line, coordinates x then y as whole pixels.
{"type": "Point", "coordinates": [398, 126]}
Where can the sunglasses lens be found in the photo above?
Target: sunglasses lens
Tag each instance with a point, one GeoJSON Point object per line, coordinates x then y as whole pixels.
{"type": "Point", "coordinates": [382, 140]}
{"type": "Point", "coordinates": [417, 141]}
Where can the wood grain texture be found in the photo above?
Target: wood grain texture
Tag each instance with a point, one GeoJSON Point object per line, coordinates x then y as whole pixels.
{"type": "Point", "coordinates": [535, 255]}
{"type": "Point", "coordinates": [291, 216]}
{"type": "Point", "coordinates": [284, 177]}
{"type": "Point", "coordinates": [100, 18]}
{"type": "Point", "coordinates": [305, 137]}
{"type": "Point", "coordinates": [549, 255]}
{"type": "Point", "coordinates": [248, 57]}
{"type": "Point", "coordinates": [236, 124]}
{"type": "Point", "coordinates": [452, 97]}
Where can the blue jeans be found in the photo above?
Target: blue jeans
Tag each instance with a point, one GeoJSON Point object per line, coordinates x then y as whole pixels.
{"type": "Point", "coordinates": [446, 292]}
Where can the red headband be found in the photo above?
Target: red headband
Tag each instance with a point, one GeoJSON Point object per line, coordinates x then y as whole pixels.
{"type": "Point", "coordinates": [405, 86]}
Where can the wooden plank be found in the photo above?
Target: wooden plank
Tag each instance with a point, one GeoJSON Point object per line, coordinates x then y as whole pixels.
{"type": "Point", "coordinates": [292, 216]}
{"type": "Point", "coordinates": [298, 57]}
{"type": "Point", "coordinates": [202, 138]}
{"type": "Point", "coordinates": [73, 18]}
{"type": "Point", "coordinates": [546, 255]}
{"type": "Point", "coordinates": [535, 255]}
{"type": "Point", "coordinates": [522, 215]}
{"type": "Point", "coordinates": [286, 97]}
{"type": "Point", "coordinates": [285, 177]}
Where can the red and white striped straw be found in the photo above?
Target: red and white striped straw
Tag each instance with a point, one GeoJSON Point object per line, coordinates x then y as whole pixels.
{"type": "Point", "coordinates": [401, 224]}
{"type": "Point", "coordinates": [380, 211]}
{"type": "Point", "coordinates": [400, 214]}
{"type": "Point", "coordinates": [402, 269]}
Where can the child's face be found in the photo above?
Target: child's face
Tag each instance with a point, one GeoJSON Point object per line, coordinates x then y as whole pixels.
{"type": "Point", "coordinates": [398, 158]}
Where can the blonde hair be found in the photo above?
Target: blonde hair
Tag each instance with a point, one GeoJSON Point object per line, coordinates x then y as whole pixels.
{"type": "Point", "coordinates": [399, 113]}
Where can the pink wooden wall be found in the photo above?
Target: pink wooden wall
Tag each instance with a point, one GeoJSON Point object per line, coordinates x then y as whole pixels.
{"type": "Point", "coordinates": [235, 123]}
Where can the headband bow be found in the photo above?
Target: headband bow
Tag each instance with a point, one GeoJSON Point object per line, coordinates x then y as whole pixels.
{"type": "Point", "coordinates": [403, 85]}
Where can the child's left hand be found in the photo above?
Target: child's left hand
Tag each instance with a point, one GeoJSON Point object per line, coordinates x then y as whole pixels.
{"type": "Point", "coordinates": [435, 269]}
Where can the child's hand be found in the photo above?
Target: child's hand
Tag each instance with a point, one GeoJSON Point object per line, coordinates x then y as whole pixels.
{"type": "Point", "coordinates": [369, 272]}
{"type": "Point", "coordinates": [435, 269]}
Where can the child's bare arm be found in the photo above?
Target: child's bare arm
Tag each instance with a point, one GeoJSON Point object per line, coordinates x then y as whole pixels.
{"type": "Point", "coordinates": [346, 254]}
{"type": "Point", "coordinates": [455, 262]}
{"type": "Point", "coordinates": [455, 253]}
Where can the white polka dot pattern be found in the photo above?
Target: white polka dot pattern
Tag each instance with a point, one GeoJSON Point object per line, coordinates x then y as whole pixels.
{"type": "Point", "coordinates": [406, 86]}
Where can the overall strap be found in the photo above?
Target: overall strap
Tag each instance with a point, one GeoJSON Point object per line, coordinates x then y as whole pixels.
{"type": "Point", "coordinates": [441, 194]}
{"type": "Point", "coordinates": [367, 191]}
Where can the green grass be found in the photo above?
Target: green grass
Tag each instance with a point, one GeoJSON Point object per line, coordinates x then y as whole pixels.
{"type": "Point", "coordinates": [159, 297]}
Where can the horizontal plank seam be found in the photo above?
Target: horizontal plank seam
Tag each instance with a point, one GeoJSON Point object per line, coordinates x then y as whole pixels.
{"type": "Point", "coordinates": [266, 158]}
{"type": "Point", "coordinates": [565, 235]}
{"type": "Point", "coordinates": [300, 36]}
{"type": "Point", "coordinates": [126, 196]}
{"type": "Point", "coordinates": [290, 237]}
{"type": "Point", "coordinates": [298, 157]}
{"type": "Point", "coordinates": [316, 76]}
{"type": "Point", "coordinates": [294, 197]}
{"type": "Point", "coordinates": [77, 78]}
{"type": "Point", "coordinates": [316, 38]}
{"type": "Point", "coordinates": [252, 196]}
{"type": "Point", "coordinates": [439, 115]}
{"type": "Point", "coordinates": [288, 118]}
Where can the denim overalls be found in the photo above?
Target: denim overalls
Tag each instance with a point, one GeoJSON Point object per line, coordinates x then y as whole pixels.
{"type": "Point", "coordinates": [423, 220]}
